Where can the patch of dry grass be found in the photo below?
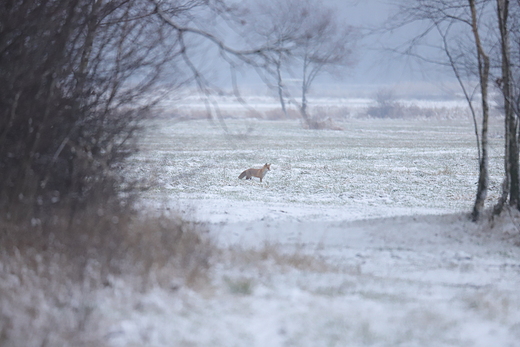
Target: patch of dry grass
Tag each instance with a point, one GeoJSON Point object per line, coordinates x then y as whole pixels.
{"type": "Point", "coordinates": [52, 269]}
{"type": "Point", "coordinates": [272, 254]}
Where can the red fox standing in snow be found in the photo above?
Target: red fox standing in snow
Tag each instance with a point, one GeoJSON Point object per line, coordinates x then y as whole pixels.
{"type": "Point", "coordinates": [260, 173]}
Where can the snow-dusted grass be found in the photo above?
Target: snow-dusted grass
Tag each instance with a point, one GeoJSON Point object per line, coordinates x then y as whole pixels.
{"type": "Point", "coordinates": [393, 164]}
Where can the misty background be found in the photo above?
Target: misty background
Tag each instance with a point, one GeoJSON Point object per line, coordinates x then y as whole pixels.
{"type": "Point", "coordinates": [378, 59]}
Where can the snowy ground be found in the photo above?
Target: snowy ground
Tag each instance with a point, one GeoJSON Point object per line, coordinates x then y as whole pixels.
{"type": "Point", "coordinates": [403, 281]}
{"type": "Point", "coordinates": [355, 238]}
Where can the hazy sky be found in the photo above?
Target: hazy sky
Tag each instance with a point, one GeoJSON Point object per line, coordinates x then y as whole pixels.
{"type": "Point", "coordinates": [375, 65]}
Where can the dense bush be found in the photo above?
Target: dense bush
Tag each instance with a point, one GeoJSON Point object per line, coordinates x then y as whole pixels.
{"type": "Point", "coordinates": [386, 105]}
{"type": "Point", "coordinates": [71, 77]}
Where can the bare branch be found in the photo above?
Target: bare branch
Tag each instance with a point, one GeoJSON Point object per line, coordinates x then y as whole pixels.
{"type": "Point", "coordinates": [467, 96]}
{"type": "Point", "coordinates": [239, 53]}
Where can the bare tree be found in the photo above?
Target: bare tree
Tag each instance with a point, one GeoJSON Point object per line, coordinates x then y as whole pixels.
{"type": "Point", "coordinates": [514, 30]}
{"type": "Point", "coordinates": [279, 22]}
{"type": "Point", "coordinates": [301, 38]}
{"type": "Point", "coordinates": [511, 184]}
{"type": "Point", "coordinates": [459, 21]}
{"type": "Point", "coordinates": [323, 45]}
{"type": "Point", "coordinates": [483, 74]}
{"type": "Point", "coordinates": [312, 39]}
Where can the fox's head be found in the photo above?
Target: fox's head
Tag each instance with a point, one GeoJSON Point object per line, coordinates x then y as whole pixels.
{"type": "Point", "coordinates": [268, 166]}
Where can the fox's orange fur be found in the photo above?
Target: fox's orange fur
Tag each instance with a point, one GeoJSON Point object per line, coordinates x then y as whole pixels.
{"type": "Point", "coordinates": [260, 173]}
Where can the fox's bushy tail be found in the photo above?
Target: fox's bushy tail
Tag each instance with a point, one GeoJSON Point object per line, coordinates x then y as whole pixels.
{"type": "Point", "coordinates": [242, 175]}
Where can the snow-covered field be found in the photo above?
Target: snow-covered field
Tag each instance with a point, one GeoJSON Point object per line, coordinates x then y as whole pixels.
{"type": "Point", "coordinates": [355, 238]}
{"type": "Point", "coordinates": [372, 168]}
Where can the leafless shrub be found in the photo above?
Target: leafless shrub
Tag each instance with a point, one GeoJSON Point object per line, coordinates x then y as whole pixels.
{"type": "Point", "coordinates": [412, 111]}
{"type": "Point", "coordinates": [386, 105]}
{"type": "Point", "coordinates": [323, 44]}
{"type": "Point", "coordinates": [338, 113]}
{"type": "Point", "coordinates": [278, 114]}
{"type": "Point", "coordinates": [318, 123]}
{"type": "Point", "coordinates": [272, 253]}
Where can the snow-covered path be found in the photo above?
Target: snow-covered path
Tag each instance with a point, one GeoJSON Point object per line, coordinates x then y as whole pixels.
{"type": "Point", "coordinates": [420, 280]}
{"type": "Point", "coordinates": [434, 250]}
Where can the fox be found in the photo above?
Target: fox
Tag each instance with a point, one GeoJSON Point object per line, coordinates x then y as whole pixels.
{"type": "Point", "coordinates": [260, 173]}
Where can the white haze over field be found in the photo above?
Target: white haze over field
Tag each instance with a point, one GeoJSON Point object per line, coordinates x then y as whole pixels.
{"type": "Point", "coordinates": [376, 66]}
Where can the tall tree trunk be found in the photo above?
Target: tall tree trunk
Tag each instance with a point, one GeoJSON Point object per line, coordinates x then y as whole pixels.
{"type": "Point", "coordinates": [304, 104]}
{"type": "Point", "coordinates": [280, 84]}
{"type": "Point", "coordinates": [511, 186]}
{"type": "Point", "coordinates": [303, 108]}
{"type": "Point", "coordinates": [483, 70]}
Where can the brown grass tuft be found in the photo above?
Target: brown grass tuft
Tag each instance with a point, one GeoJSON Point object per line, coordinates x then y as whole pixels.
{"type": "Point", "coordinates": [52, 269]}
{"type": "Point", "coordinates": [272, 253]}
